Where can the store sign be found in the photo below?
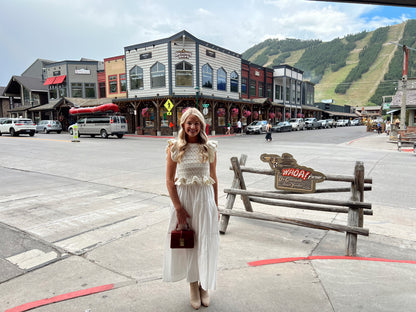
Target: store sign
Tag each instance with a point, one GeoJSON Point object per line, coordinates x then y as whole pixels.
{"type": "Point", "coordinates": [210, 53]}
{"type": "Point", "coordinates": [82, 71]}
{"type": "Point", "coordinates": [183, 54]}
{"type": "Point", "coordinates": [290, 176]}
{"type": "Point", "coordinates": [145, 56]}
{"type": "Point", "coordinates": [256, 73]}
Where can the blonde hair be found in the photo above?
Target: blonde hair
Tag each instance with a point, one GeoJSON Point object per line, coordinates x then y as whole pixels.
{"type": "Point", "coordinates": [181, 145]}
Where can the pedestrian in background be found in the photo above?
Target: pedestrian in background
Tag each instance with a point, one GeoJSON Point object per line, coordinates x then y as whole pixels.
{"type": "Point", "coordinates": [269, 132]}
{"type": "Point", "coordinates": [239, 126]}
{"type": "Point", "coordinates": [192, 184]}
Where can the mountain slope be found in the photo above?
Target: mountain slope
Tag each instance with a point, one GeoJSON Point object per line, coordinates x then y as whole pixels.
{"type": "Point", "coordinates": [356, 70]}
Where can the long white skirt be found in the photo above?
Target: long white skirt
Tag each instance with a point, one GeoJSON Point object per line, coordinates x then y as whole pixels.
{"type": "Point", "coordinates": [200, 262]}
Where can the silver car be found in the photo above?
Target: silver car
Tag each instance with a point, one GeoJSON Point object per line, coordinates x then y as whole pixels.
{"type": "Point", "coordinates": [47, 126]}
{"type": "Point", "coordinates": [258, 126]}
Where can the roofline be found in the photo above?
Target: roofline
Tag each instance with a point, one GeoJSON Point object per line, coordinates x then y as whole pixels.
{"type": "Point", "coordinates": [72, 62]}
{"type": "Point", "coordinates": [175, 36]}
{"type": "Point", "coordinates": [114, 58]}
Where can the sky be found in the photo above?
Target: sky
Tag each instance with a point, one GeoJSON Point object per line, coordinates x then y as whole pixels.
{"type": "Point", "coordinates": [98, 29]}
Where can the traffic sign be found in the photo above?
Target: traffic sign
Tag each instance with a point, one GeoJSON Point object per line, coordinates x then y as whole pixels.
{"type": "Point", "coordinates": [168, 105]}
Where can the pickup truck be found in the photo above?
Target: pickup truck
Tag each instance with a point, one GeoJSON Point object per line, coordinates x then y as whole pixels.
{"type": "Point", "coordinates": [312, 123]}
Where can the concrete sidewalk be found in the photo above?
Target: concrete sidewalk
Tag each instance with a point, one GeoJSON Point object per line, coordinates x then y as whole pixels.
{"type": "Point", "coordinates": [124, 274]}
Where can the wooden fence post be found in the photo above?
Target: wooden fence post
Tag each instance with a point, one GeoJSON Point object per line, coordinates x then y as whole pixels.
{"type": "Point", "coordinates": [236, 184]}
{"type": "Point", "coordinates": [355, 215]}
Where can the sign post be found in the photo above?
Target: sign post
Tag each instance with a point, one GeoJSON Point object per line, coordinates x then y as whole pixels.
{"type": "Point", "coordinates": [75, 133]}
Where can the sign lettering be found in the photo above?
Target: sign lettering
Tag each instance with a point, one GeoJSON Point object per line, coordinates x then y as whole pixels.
{"type": "Point", "coordinates": [183, 54]}
{"type": "Point", "coordinates": [290, 176]}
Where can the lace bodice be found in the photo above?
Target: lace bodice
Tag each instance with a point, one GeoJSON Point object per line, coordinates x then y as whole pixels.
{"type": "Point", "coordinates": [191, 170]}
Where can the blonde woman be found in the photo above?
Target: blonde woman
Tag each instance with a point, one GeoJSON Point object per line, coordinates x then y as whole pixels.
{"type": "Point", "coordinates": [192, 185]}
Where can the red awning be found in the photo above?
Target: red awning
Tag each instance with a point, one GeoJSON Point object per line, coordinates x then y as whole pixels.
{"type": "Point", "coordinates": [49, 81]}
{"type": "Point", "coordinates": [54, 80]}
{"type": "Point", "coordinates": [59, 79]}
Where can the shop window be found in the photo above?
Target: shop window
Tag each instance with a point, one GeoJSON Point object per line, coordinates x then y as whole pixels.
{"type": "Point", "coordinates": [76, 90]}
{"type": "Point", "coordinates": [90, 90]}
{"type": "Point", "coordinates": [164, 120]}
{"type": "Point", "coordinates": [244, 85]}
{"type": "Point", "coordinates": [112, 84]}
{"type": "Point", "coordinates": [183, 74]}
{"type": "Point", "coordinates": [234, 82]}
{"type": "Point", "coordinates": [123, 83]}
{"type": "Point", "coordinates": [136, 78]}
{"type": "Point", "coordinates": [148, 117]}
{"type": "Point", "coordinates": [157, 75]}
{"type": "Point", "coordinates": [221, 79]}
{"type": "Point", "coordinates": [207, 76]}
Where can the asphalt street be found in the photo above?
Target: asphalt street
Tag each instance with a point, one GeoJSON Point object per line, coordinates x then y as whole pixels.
{"type": "Point", "coordinates": [79, 215]}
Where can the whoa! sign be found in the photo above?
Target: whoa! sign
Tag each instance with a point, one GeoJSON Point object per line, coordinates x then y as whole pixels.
{"type": "Point", "coordinates": [290, 176]}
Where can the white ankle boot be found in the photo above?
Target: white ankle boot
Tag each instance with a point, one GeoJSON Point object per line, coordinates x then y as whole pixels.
{"type": "Point", "coordinates": [195, 296]}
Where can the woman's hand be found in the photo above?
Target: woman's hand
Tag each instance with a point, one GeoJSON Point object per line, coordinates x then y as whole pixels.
{"type": "Point", "coordinates": [181, 215]}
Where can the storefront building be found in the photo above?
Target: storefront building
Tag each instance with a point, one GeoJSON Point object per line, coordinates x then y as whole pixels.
{"type": "Point", "coordinates": [115, 77]}
{"type": "Point", "coordinates": [74, 79]}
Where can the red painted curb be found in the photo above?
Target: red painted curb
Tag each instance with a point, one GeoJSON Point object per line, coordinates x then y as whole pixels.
{"type": "Point", "coordinates": [71, 295]}
{"type": "Point", "coordinates": [293, 259]}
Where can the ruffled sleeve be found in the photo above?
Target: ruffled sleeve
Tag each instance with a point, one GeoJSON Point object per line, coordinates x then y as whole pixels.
{"type": "Point", "coordinates": [173, 152]}
{"type": "Point", "coordinates": [212, 149]}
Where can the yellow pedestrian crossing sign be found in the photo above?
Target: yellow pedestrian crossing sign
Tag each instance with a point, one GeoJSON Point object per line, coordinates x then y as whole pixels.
{"type": "Point", "coordinates": [169, 105]}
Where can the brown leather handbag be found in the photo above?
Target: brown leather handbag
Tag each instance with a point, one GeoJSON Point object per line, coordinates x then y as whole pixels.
{"type": "Point", "coordinates": [182, 238]}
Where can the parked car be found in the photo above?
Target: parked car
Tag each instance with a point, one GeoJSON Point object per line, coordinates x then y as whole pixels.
{"type": "Point", "coordinates": [101, 125]}
{"type": "Point", "coordinates": [47, 126]}
{"type": "Point", "coordinates": [297, 123]}
{"type": "Point", "coordinates": [355, 122]}
{"type": "Point", "coordinates": [324, 123]}
{"type": "Point", "coordinates": [282, 126]}
{"type": "Point", "coordinates": [331, 123]}
{"type": "Point", "coordinates": [16, 126]}
{"type": "Point", "coordinates": [258, 126]}
{"type": "Point", "coordinates": [312, 123]}
{"type": "Point", "coordinates": [342, 122]}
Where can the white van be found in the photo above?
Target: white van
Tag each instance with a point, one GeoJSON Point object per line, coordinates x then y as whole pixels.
{"type": "Point", "coordinates": [102, 126]}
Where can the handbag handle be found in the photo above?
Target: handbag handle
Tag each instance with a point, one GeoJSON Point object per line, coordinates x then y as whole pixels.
{"type": "Point", "coordinates": [187, 226]}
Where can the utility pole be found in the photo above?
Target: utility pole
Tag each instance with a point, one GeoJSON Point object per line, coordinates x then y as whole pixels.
{"type": "Point", "coordinates": [404, 83]}
{"type": "Point", "coordinates": [404, 88]}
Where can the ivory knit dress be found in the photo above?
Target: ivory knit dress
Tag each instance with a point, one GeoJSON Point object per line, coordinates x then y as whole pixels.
{"type": "Point", "coordinates": [196, 194]}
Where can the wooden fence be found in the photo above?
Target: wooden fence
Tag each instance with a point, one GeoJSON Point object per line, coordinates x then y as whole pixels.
{"type": "Point", "coordinates": [354, 206]}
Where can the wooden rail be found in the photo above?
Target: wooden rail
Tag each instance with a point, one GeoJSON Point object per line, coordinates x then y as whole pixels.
{"type": "Point", "coordinates": [355, 206]}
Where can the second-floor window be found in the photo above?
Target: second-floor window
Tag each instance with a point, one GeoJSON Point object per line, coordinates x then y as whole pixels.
{"type": "Point", "coordinates": [244, 85]}
{"type": "Point", "coordinates": [136, 78]}
{"type": "Point", "coordinates": [123, 83]}
{"type": "Point", "coordinates": [234, 82]}
{"type": "Point", "coordinates": [157, 75]}
{"type": "Point", "coordinates": [207, 76]}
{"type": "Point", "coordinates": [183, 74]}
{"type": "Point", "coordinates": [76, 90]}
{"type": "Point", "coordinates": [112, 83]}
{"type": "Point", "coordinates": [90, 90]}
{"type": "Point", "coordinates": [221, 79]}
